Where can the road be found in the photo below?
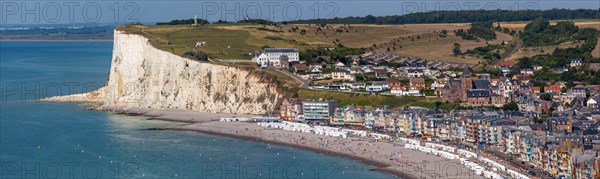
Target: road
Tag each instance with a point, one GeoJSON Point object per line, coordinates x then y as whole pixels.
{"type": "Point", "coordinates": [525, 167]}
{"type": "Point", "coordinates": [505, 160]}
{"type": "Point", "coordinates": [518, 46]}
{"type": "Point", "coordinates": [304, 82]}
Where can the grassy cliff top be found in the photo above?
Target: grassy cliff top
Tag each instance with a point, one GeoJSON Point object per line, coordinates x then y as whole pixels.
{"type": "Point", "coordinates": [223, 42]}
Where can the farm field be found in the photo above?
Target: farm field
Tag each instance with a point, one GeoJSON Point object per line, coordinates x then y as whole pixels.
{"type": "Point", "coordinates": [592, 23]}
{"type": "Point", "coordinates": [420, 40]}
{"type": "Point", "coordinates": [533, 51]}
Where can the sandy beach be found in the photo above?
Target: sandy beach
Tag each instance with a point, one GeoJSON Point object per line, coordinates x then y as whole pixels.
{"type": "Point", "coordinates": [385, 156]}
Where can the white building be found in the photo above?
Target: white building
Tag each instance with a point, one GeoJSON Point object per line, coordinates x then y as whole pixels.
{"type": "Point", "coordinates": [342, 75]}
{"type": "Point", "coordinates": [275, 56]}
{"type": "Point", "coordinates": [576, 62]}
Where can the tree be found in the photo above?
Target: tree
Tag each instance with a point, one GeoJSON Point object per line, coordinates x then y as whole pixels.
{"type": "Point", "coordinates": [537, 120]}
{"type": "Point", "coordinates": [512, 106]}
{"type": "Point", "coordinates": [482, 30]}
{"type": "Point", "coordinates": [456, 50]}
{"type": "Point", "coordinates": [196, 56]}
{"type": "Point", "coordinates": [538, 25]}
{"type": "Point", "coordinates": [546, 96]}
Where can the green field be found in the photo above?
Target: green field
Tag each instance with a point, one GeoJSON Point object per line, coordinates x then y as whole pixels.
{"type": "Point", "coordinates": [359, 99]}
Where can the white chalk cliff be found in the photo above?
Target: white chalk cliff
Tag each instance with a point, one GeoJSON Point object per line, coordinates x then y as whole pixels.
{"type": "Point", "coordinates": [142, 76]}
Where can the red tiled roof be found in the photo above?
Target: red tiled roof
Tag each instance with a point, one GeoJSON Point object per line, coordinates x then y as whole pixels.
{"type": "Point", "coordinates": [552, 88]}
{"type": "Point", "coordinates": [417, 80]}
{"type": "Point", "coordinates": [301, 67]}
{"type": "Point", "coordinates": [506, 63]}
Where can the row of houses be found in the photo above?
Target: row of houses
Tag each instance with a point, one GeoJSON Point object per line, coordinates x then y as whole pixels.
{"type": "Point", "coordinates": [565, 145]}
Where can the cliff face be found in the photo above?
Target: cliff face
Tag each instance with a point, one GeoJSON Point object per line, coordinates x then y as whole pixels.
{"type": "Point", "coordinates": [142, 76]}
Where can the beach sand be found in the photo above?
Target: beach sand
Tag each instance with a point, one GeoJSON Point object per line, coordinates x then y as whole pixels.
{"type": "Point", "coordinates": [385, 156]}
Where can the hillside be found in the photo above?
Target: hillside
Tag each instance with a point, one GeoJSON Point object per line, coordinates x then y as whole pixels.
{"type": "Point", "coordinates": [239, 41]}
{"type": "Point", "coordinates": [546, 49]}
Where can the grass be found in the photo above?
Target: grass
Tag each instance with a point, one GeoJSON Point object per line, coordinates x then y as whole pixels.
{"type": "Point", "coordinates": [421, 40]}
{"type": "Point", "coordinates": [432, 105]}
{"type": "Point", "coordinates": [237, 41]}
{"type": "Point", "coordinates": [533, 51]}
{"type": "Point", "coordinates": [359, 99]}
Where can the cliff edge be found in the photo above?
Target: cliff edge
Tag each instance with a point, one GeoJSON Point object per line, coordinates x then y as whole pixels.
{"type": "Point", "coordinates": [142, 76]}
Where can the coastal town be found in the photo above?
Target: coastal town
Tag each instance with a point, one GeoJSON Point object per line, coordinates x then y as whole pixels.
{"type": "Point", "coordinates": [546, 129]}
{"type": "Point", "coordinates": [300, 89]}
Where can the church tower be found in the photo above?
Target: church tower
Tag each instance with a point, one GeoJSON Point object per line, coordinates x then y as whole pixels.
{"type": "Point", "coordinates": [465, 83]}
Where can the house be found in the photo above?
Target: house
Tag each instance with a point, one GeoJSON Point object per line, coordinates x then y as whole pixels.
{"type": "Point", "coordinates": [406, 91]}
{"type": "Point", "coordinates": [273, 56]}
{"type": "Point", "coordinates": [417, 82]}
{"type": "Point", "coordinates": [397, 90]}
{"type": "Point", "coordinates": [358, 85]}
{"type": "Point", "coordinates": [553, 89]}
{"type": "Point", "coordinates": [415, 73]}
{"type": "Point", "coordinates": [290, 109]}
{"type": "Point", "coordinates": [528, 72]}
{"type": "Point", "coordinates": [342, 75]}
{"type": "Point", "coordinates": [377, 86]}
{"type": "Point", "coordinates": [392, 82]}
{"type": "Point", "coordinates": [412, 91]}
{"type": "Point", "coordinates": [579, 91]}
{"type": "Point", "coordinates": [505, 66]}
{"type": "Point", "coordinates": [380, 73]}
{"type": "Point", "coordinates": [576, 62]}
{"type": "Point", "coordinates": [301, 67]}
{"type": "Point", "coordinates": [315, 68]}
{"type": "Point", "coordinates": [339, 65]}
{"type": "Point", "coordinates": [438, 83]}
{"type": "Point", "coordinates": [593, 102]}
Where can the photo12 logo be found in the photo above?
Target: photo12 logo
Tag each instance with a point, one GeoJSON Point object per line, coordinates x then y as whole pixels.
{"type": "Point", "coordinates": [68, 170]}
{"type": "Point", "coordinates": [67, 11]}
{"type": "Point", "coordinates": [408, 7]}
{"type": "Point", "coordinates": [269, 10]}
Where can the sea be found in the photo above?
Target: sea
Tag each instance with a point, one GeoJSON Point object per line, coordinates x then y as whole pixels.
{"type": "Point", "coordinates": [66, 140]}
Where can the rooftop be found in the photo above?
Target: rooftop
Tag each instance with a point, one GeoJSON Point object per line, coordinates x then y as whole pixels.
{"type": "Point", "coordinates": [281, 50]}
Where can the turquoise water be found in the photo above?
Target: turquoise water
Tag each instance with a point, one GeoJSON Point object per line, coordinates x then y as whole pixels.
{"type": "Point", "coordinates": [64, 140]}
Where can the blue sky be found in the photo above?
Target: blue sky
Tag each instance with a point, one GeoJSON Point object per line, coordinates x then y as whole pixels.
{"type": "Point", "coordinates": [119, 11]}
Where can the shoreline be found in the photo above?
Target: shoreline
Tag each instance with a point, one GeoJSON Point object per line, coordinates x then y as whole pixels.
{"type": "Point", "coordinates": [406, 164]}
{"type": "Point", "coordinates": [379, 166]}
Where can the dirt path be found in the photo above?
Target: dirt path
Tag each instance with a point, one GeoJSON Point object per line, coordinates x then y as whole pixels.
{"type": "Point", "coordinates": [518, 45]}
